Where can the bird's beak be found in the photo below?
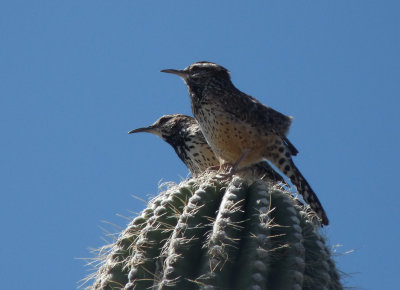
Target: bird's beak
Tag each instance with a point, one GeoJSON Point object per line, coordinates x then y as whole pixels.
{"type": "Point", "coordinates": [149, 129]}
{"type": "Point", "coordinates": [177, 72]}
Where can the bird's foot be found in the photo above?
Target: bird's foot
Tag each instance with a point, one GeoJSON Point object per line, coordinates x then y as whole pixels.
{"type": "Point", "coordinates": [226, 171]}
{"type": "Point", "coordinates": [213, 168]}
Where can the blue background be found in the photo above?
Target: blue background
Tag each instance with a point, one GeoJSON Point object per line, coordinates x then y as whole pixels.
{"type": "Point", "coordinates": [76, 76]}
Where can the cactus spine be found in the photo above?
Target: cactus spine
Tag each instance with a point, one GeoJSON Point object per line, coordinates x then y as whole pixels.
{"type": "Point", "coordinates": [209, 234]}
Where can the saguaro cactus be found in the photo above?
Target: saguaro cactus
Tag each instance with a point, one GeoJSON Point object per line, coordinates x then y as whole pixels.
{"type": "Point", "coordinates": [207, 233]}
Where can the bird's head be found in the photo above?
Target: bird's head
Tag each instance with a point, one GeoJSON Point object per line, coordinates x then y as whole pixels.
{"type": "Point", "coordinates": [201, 72]}
{"type": "Point", "coordinates": [168, 126]}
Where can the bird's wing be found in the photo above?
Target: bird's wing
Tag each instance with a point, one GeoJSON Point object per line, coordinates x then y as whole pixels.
{"type": "Point", "coordinates": [250, 110]}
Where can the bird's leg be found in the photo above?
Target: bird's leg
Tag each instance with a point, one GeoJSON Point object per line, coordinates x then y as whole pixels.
{"type": "Point", "coordinates": [236, 164]}
{"type": "Point", "coordinates": [231, 169]}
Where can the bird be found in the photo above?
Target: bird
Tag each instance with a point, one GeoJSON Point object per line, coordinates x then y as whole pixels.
{"type": "Point", "coordinates": [240, 130]}
{"type": "Point", "coordinates": [183, 133]}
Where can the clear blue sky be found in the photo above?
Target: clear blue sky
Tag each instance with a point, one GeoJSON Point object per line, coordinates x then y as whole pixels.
{"type": "Point", "coordinates": [76, 76]}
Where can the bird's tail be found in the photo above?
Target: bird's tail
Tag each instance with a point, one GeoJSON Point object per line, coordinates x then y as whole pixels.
{"type": "Point", "coordinates": [309, 196]}
{"type": "Point", "coordinates": [264, 170]}
{"type": "Point", "coordinates": [293, 150]}
{"type": "Point", "coordinates": [284, 163]}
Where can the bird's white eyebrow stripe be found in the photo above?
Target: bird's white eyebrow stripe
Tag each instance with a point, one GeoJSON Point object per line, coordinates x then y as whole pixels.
{"type": "Point", "coordinates": [204, 64]}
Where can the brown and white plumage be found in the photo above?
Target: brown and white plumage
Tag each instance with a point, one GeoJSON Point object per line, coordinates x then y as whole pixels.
{"type": "Point", "coordinates": [241, 130]}
{"type": "Point", "coordinates": [184, 135]}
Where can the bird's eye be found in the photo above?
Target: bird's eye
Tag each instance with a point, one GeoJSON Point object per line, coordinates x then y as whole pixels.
{"type": "Point", "coordinates": [195, 69]}
{"type": "Point", "coordinates": [163, 120]}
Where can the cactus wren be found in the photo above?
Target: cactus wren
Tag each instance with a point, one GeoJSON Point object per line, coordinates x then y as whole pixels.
{"type": "Point", "coordinates": [240, 130]}
{"type": "Point", "coordinates": [184, 135]}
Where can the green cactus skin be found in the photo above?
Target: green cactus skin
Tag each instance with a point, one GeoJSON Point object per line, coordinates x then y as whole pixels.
{"type": "Point", "coordinates": [253, 263]}
{"type": "Point", "coordinates": [113, 273]}
{"type": "Point", "coordinates": [223, 241]}
{"type": "Point", "coordinates": [147, 247]}
{"type": "Point", "coordinates": [287, 237]}
{"type": "Point", "coordinates": [320, 271]}
{"type": "Point", "coordinates": [210, 233]}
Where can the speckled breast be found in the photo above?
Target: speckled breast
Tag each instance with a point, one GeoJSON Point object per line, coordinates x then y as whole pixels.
{"type": "Point", "coordinates": [230, 138]}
